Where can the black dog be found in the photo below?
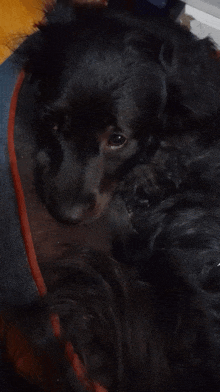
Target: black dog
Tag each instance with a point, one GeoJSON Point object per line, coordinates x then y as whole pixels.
{"type": "Point", "coordinates": [101, 88]}
{"type": "Point", "coordinates": [117, 101]}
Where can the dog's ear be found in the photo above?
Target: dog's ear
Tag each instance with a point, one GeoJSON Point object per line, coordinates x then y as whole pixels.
{"type": "Point", "coordinates": [192, 76]}
{"type": "Point", "coordinates": [39, 54]}
{"type": "Point", "coordinates": [202, 95]}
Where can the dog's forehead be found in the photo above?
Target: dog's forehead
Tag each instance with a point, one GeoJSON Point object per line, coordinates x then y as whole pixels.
{"type": "Point", "coordinates": [108, 81]}
{"type": "Point", "coordinates": [112, 56]}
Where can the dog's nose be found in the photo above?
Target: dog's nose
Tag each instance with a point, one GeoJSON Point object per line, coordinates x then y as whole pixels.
{"type": "Point", "coordinates": [79, 211]}
{"type": "Point", "coordinates": [75, 214]}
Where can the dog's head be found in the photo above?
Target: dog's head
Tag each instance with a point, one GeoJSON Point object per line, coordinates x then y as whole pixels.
{"type": "Point", "coordinates": [99, 92]}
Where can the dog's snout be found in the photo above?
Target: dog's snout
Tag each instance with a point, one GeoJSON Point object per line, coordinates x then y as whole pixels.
{"type": "Point", "coordinates": [76, 211]}
{"type": "Point", "coordinates": [75, 214]}
{"type": "Point", "coordinates": [86, 209]}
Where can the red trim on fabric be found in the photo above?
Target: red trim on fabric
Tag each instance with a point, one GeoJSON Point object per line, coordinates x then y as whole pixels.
{"type": "Point", "coordinates": [25, 228]}
{"type": "Point", "coordinates": [73, 358]}
{"type": "Point", "coordinates": [80, 370]}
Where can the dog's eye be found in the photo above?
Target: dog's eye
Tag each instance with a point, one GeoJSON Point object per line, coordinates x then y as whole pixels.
{"type": "Point", "coordinates": [116, 140]}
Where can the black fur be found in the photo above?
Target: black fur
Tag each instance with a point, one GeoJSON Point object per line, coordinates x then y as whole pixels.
{"type": "Point", "coordinates": [125, 113]}
{"type": "Point", "coordinates": [131, 334]}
